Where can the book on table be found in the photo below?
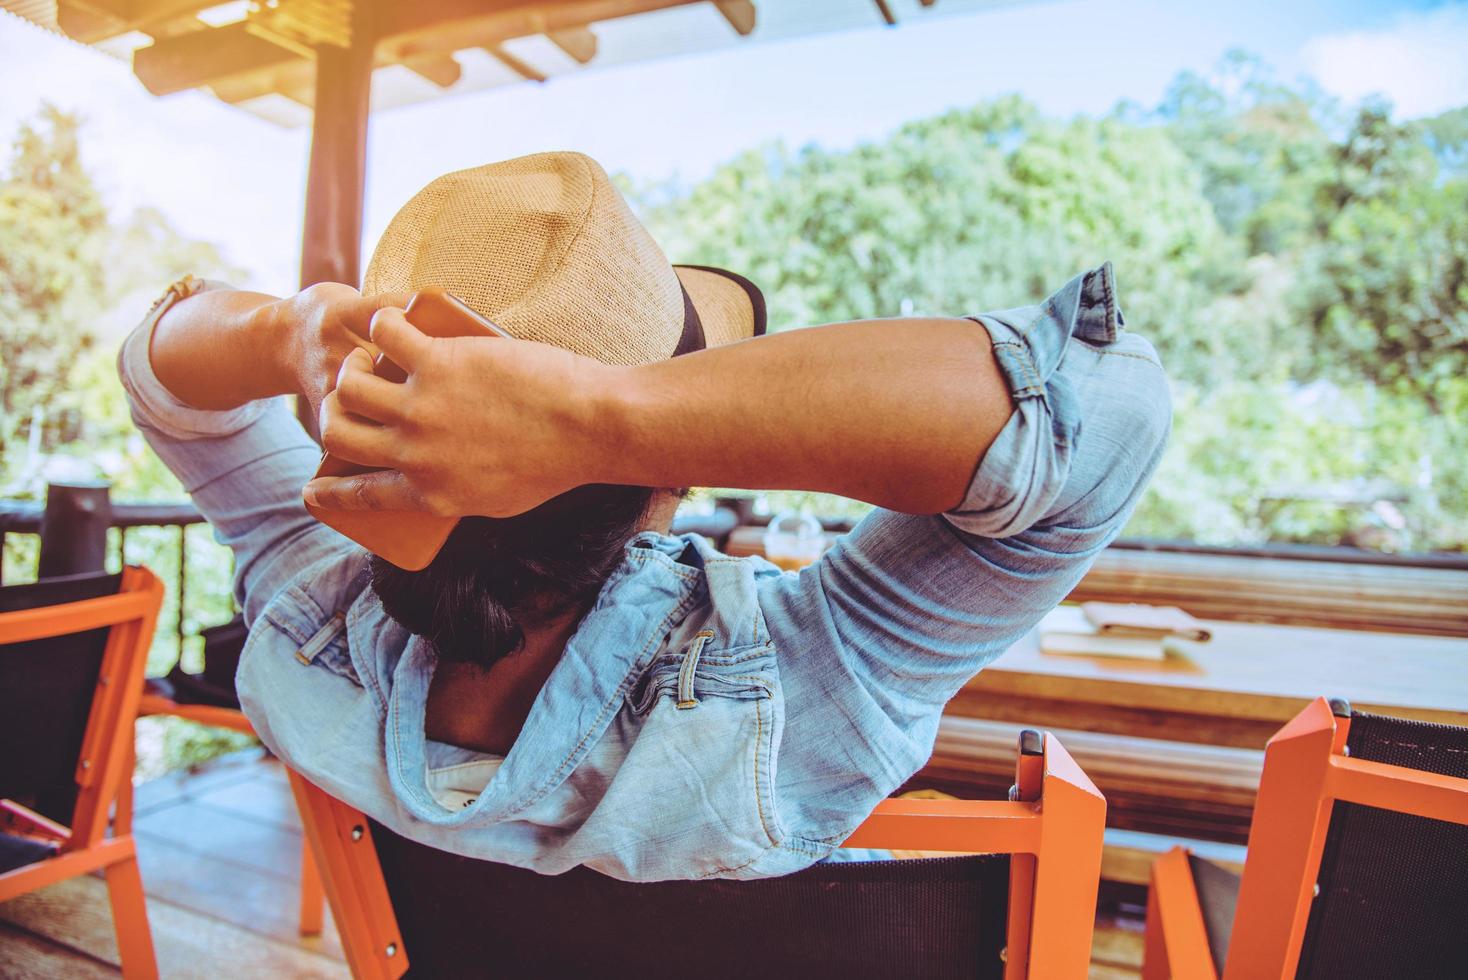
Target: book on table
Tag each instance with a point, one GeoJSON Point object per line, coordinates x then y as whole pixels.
{"type": "Point", "coordinates": [1116, 630]}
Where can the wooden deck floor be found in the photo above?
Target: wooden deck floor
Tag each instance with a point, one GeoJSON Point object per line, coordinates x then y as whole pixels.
{"type": "Point", "coordinates": [220, 853]}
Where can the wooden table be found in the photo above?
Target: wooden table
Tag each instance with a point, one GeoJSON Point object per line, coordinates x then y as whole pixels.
{"type": "Point", "coordinates": [1235, 690]}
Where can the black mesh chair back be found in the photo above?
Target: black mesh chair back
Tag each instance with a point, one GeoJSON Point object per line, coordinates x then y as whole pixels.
{"type": "Point", "coordinates": [214, 686]}
{"type": "Point", "coordinates": [933, 918]}
{"type": "Point", "coordinates": [46, 690]}
{"type": "Point", "coordinates": [1393, 898]}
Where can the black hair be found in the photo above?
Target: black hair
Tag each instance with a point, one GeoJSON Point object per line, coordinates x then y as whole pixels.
{"type": "Point", "coordinates": [495, 576]}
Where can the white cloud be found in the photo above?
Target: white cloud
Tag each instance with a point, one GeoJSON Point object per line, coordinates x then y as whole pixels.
{"type": "Point", "coordinates": [1420, 62]}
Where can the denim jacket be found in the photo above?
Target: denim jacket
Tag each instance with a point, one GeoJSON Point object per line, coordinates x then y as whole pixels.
{"type": "Point", "coordinates": [711, 716]}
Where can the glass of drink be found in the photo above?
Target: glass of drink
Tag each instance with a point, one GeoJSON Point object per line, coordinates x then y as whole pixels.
{"type": "Point", "coordinates": [794, 540]}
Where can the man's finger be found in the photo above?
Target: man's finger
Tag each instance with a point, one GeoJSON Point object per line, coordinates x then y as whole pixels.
{"type": "Point", "coordinates": [383, 490]}
{"type": "Point", "coordinates": [381, 300]}
{"type": "Point", "coordinates": [402, 342]}
{"type": "Point", "coordinates": [357, 361]}
{"type": "Point", "coordinates": [360, 316]}
{"type": "Point", "coordinates": [361, 392]}
{"type": "Point", "coordinates": [352, 438]}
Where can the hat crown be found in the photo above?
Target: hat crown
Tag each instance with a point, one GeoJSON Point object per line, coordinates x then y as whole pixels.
{"type": "Point", "coordinates": [544, 246]}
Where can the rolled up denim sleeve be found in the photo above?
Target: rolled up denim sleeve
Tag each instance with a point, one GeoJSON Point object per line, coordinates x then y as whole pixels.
{"type": "Point", "coordinates": [243, 468]}
{"type": "Point", "coordinates": [904, 610]}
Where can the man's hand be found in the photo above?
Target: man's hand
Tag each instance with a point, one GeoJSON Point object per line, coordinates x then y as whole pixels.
{"type": "Point", "coordinates": [319, 327]}
{"type": "Point", "coordinates": [483, 425]}
{"type": "Point", "coordinates": [221, 348]}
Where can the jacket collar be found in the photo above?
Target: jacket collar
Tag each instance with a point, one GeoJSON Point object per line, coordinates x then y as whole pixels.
{"type": "Point", "coordinates": [640, 601]}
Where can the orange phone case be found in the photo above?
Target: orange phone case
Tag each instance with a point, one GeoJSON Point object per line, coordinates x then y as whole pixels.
{"type": "Point", "coordinates": [408, 539]}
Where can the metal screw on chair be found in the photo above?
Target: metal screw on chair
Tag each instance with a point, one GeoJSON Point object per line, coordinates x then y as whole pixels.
{"type": "Point", "coordinates": [86, 763]}
{"type": "Point", "coordinates": [357, 832]}
{"type": "Point", "coordinates": [1315, 890]}
{"type": "Point", "coordinates": [392, 949]}
{"type": "Point", "coordinates": [1003, 954]}
{"type": "Point", "coordinates": [1346, 750]}
{"type": "Point", "coordinates": [1014, 793]}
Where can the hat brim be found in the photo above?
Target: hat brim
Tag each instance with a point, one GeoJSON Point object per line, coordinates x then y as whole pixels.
{"type": "Point", "coordinates": [730, 307]}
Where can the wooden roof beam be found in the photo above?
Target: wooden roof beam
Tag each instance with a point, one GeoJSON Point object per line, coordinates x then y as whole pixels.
{"type": "Point", "coordinates": [90, 21]}
{"type": "Point", "coordinates": [203, 57]}
{"type": "Point", "coordinates": [85, 24]}
{"type": "Point", "coordinates": [296, 81]}
{"type": "Point", "coordinates": [578, 43]}
{"type": "Point", "coordinates": [507, 18]}
{"type": "Point", "coordinates": [520, 67]}
{"type": "Point", "coordinates": [453, 25]}
{"type": "Point", "coordinates": [440, 69]}
{"type": "Point", "coordinates": [739, 13]}
{"type": "Point", "coordinates": [206, 57]}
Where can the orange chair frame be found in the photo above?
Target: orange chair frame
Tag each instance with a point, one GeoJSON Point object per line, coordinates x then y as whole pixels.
{"type": "Point", "coordinates": [1306, 769]}
{"type": "Point", "coordinates": [1052, 826]}
{"type": "Point", "coordinates": [103, 766]}
{"type": "Point", "coordinates": [312, 912]}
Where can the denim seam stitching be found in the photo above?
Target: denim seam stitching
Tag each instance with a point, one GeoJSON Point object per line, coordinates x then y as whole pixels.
{"type": "Point", "coordinates": [730, 869]}
{"type": "Point", "coordinates": [1122, 353]}
{"type": "Point", "coordinates": [1032, 385]}
{"type": "Point", "coordinates": [755, 613]}
{"type": "Point", "coordinates": [370, 679]}
{"type": "Point", "coordinates": [758, 739]}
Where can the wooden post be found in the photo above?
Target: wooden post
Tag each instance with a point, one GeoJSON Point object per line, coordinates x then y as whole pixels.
{"type": "Point", "coordinates": [331, 243]}
{"type": "Point", "coordinates": [74, 529]}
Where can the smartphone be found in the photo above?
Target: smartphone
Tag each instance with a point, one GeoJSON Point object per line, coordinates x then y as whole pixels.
{"type": "Point", "coordinates": [408, 539]}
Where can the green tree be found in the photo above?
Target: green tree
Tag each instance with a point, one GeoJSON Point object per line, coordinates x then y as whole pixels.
{"type": "Point", "coordinates": [975, 209]}
{"type": "Point", "coordinates": [52, 241]}
{"type": "Point", "coordinates": [1386, 287]}
{"type": "Point", "coordinates": [65, 267]}
{"type": "Point", "coordinates": [1300, 269]}
{"type": "Point", "coordinates": [1261, 149]}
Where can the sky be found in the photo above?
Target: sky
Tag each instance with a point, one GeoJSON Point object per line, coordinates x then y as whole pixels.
{"type": "Point", "coordinates": [222, 175]}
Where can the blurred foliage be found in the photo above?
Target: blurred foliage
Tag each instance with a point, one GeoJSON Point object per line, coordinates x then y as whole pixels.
{"type": "Point", "coordinates": [53, 230]}
{"type": "Point", "coordinates": [1300, 266]}
{"type": "Point", "coordinates": [72, 278]}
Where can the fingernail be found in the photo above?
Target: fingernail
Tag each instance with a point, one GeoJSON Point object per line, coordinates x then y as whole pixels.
{"type": "Point", "coordinates": [309, 493]}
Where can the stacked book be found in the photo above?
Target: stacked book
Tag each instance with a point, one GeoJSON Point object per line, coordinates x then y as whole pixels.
{"type": "Point", "coordinates": [1112, 629]}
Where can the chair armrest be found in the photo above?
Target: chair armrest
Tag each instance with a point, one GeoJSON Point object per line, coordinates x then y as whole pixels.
{"type": "Point", "coordinates": [1177, 940]}
{"type": "Point", "coordinates": [22, 820]}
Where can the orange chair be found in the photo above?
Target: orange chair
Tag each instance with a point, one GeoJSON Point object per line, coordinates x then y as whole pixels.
{"type": "Point", "coordinates": [313, 901]}
{"type": "Point", "coordinates": [64, 638]}
{"type": "Point", "coordinates": [1023, 905]}
{"type": "Point", "coordinates": [1357, 862]}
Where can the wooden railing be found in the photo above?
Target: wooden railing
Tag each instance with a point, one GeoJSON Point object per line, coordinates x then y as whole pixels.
{"type": "Point", "coordinates": [1298, 585]}
{"type": "Point", "coordinates": [74, 520]}
{"type": "Point", "coordinates": [73, 525]}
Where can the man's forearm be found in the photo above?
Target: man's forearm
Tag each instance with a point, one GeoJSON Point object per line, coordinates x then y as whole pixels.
{"type": "Point", "coordinates": [898, 413]}
{"type": "Point", "coordinates": [221, 349]}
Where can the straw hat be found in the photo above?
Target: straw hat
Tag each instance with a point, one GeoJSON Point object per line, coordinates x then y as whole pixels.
{"type": "Point", "coordinates": [545, 247]}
